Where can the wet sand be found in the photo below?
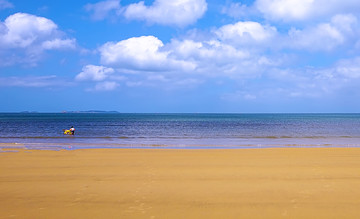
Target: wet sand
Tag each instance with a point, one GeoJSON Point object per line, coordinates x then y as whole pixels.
{"type": "Point", "coordinates": [147, 183]}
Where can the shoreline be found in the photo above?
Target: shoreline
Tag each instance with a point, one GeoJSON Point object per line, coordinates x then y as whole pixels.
{"type": "Point", "coordinates": [83, 146]}
{"type": "Point", "coordinates": [161, 183]}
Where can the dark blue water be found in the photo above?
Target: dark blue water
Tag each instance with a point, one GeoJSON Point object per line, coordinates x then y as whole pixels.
{"type": "Point", "coordinates": [181, 130]}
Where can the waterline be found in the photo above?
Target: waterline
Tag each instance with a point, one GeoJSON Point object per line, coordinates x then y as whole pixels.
{"type": "Point", "coordinates": [4, 147]}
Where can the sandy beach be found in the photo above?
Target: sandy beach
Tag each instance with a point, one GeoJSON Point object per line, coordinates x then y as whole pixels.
{"type": "Point", "coordinates": [158, 183]}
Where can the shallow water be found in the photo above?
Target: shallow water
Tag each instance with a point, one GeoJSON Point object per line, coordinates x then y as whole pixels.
{"type": "Point", "coordinates": [100, 130]}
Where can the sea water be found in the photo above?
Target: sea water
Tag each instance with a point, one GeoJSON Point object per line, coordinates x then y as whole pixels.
{"type": "Point", "coordinates": [193, 130]}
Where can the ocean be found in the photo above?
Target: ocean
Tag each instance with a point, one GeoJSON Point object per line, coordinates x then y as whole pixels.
{"type": "Point", "coordinates": [192, 130]}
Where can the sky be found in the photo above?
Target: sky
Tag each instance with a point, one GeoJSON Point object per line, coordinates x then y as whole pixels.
{"type": "Point", "coordinates": [162, 56]}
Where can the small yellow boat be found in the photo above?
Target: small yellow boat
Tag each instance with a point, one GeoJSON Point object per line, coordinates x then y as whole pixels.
{"type": "Point", "coordinates": [67, 132]}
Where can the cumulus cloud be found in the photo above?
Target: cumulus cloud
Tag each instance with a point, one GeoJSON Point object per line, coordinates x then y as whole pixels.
{"type": "Point", "coordinates": [102, 9]}
{"type": "Point", "coordinates": [141, 53]}
{"type": "Point", "coordinates": [165, 12]}
{"type": "Point", "coordinates": [181, 57]}
{"type": "Point", "coordinates": [212, 58]}
{"type": "Point", "coordinates": [230, 51]}
{"type": "Point", "coordinates": [146, 61]}
{"type": "Point", "coordinates": [215, 56]}
{"type": "Point", "coordinates": [32, 34]}
{"type": "Point", "coordinates": [94, 73]}
{"type": "Point", "coordinates": [246, 53]}
{"type": "Point", "coordinates": [24, 29]}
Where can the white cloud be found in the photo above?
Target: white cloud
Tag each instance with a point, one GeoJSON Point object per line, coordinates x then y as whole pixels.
{"type": "Point", "coordinates": [233, 50]}
{"type": "Point", "coordinates": [141, 53]}
{"type": "Point", "coordinates": [245, 32]}
{"type": "Point", "coordinates": [325, 36]}
{"type": "Point", "coordinates": [149, 54]}
{"type": "Point", "coordinates": [102, 9]}
{"type": "Point", "coordinates": [165, 12]}
{"type": "Point", "coordinates": [210, 57]}
{"type": "Point", "coordinates": [25, 36]}
{"type": "Point", "coordinates": [285, 9]}
{"type": "Point", "coordinates": [94, 73]}
{"type": "Point", "coordinates": [244, 53]}
{"type": "Point", "coordinates": [137, 51]}
{"type": "Point", "coordinates": [25, 29]}
{"type": "Point", "coordinates": [228, 52]}
{"type": "Point", "coordinates": [59, 44]}
{"type": "Point", "coordinates": [301, 10]}
{"type": "Point", "coordinates": [5, 4]}
{"type": "Point", "coordinates": [205, 50]}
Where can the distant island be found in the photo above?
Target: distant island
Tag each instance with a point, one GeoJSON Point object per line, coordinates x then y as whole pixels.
{"type": "Point", "coordinates": [90, 111]}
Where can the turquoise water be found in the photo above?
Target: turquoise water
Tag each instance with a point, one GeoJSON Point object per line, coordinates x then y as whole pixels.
{"type": "Point", "coordinates": [94, 130]}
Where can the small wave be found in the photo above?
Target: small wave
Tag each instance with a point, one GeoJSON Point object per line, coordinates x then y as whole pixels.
{"type": "Point", "coordinates": [57, 147]}
{"type": "Point", "coordinates": [296, 137]}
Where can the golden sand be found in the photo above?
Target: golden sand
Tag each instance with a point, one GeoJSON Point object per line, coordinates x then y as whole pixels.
{"type": "Point", "coordinates": [131, 183]}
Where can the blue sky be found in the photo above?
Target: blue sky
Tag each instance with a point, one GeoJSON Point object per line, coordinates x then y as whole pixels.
{"type": "Point", "coordinates": [180, 56]}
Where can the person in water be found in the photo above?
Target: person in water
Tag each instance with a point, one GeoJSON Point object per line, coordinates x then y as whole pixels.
{"type": "Point", "coordinates": [72, 130]}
